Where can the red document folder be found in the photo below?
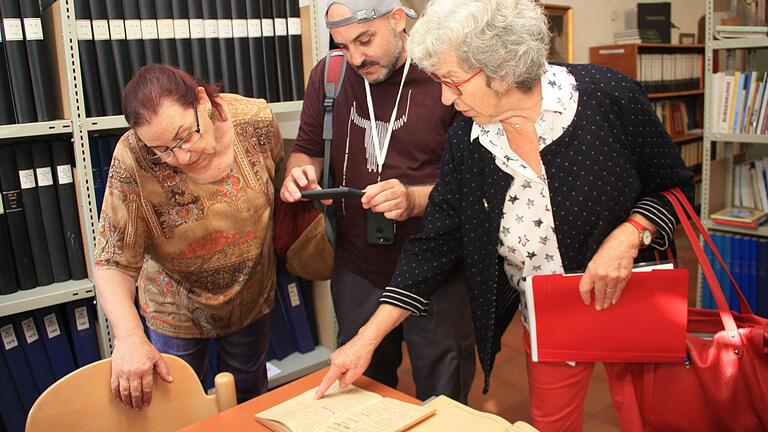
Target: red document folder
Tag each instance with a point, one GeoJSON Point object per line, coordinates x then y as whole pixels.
{"type": "Point", "coordinates": [647, 324]}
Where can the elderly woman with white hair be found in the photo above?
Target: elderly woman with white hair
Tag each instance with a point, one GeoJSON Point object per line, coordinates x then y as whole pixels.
{"type": "Point", "coordinates": [554, 168]}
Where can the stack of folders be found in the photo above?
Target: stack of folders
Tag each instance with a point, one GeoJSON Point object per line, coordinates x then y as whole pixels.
{"type": "Point", "coordinates": [27, 94]}
{"type": "Point", "coordinates": [647, 324]}
{"type": "Point", "coordinates": [38, 348]}
{"type": "Point", "coordinates": [250, 47]}
{"type": "Point", "coordinates": [40, 237]}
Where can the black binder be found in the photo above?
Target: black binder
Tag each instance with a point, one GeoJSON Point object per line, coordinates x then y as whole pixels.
{"type": "Point", "coordinates": [268, 43]}
{"type": "Point", "coordinates": [197, 40]}
{"type": "Point", "coordinates": [294, 50]}
{"type": "Point", "coordinates": [226, 47]}
{"type": "Point", "coordinates": [110, 93]}
{"type": "Point", "coordinates": [46, 100]}
{"type": "Point", "coordinates": [61, 155]}
{"type": "Point", "coordinates": [133, 35]}
{"type": "Point", "coordinates": [6, 106]}
{"type": "Point", "coordinates": [119, 43]}
{"type": "Point", "coordinates": [49, 205]}
{"type": "Point", "coordinates": [212, 41]}
{"type": "Point", "coordinates": [16, 61]}
{"type": "Point", "coordinates": [33, 213]}
{"type": "Point", "coordinates": [181, 31]}
{"type": "Point", "coordinates": [17, 223]}
{"type": "Point", "coordinates": [149, 30]}
{"type": "Point", "coordinates": [88, 65]}
{"type": "Point", "coordinates": [165, 32]}
{"type": "Point", "coordinates": [8, 282]}
{"type": "Point", "coordinates": [256, 49]}
{"type": "Point", "coordinates": [283, 62]}
{"type": "Point", "coordinates": [242, 53]}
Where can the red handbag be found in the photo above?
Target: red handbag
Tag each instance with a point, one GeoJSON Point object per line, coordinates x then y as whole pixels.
{"type": "Point", "coordinates": [723, 383]}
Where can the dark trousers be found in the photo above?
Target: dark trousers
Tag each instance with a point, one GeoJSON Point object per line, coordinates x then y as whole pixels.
{"type": "Point", "coordinates": [243, 353]}
{"type": "Point", "coordinates": [441, 346]}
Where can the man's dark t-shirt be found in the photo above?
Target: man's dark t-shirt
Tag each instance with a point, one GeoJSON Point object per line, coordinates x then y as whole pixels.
{"type": "Point", "coordinates": [415, 150]}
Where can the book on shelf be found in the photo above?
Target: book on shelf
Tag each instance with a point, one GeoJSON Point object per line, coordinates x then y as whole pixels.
{"type": "Point", "coordinates": [452, 415]}
{"type": "Point", "coordinates": [9, 284]}
{"type": "Point", "coordinates": [295, 50]}
{"type": "Point", "coordinates": [226, 46]}
{"type": "Point", "coordinates": [269, 62]}
{"type": "Point", "coordinates": [149, 34]}
{"type": "Point", "coordinates": [166, 32]}
{"type": "Point", "coordinates": [14, 209]}
{"type": "Point", "coordinates": [280, 18]}
{"type": "Point", "coordinates": [654, 21]}
{"type": "Point", "coordinates": [110, 94]}
{"type": "Point", "coordinates": [181, 32]}
{"type": "Point", "coordinates": [740, 216]}
{"type": "Point", "coordinates": [211, 22]}
{"type": "Point", "coordinates": [6, 109]}
{"type": "Point", "coordinates": [88, 66]}
{"type": "Point", "coordinates": [737, 31]}
{"type": "Point", "coordinates": [16, 61]}
{"type": "Point", "coordinates": [256, 50]}
{"type": "Point", "coordinates": [197, 40]}
{"type": "Point", "coordinates": [43, 88]}
{"type": "Point", "coordinates": [119, 42]}
{"type": "Point", "coordinates": [242, 49]}
{"type": "Point", "coordinates": [351, 408]}
{"type": "Point", "coordinates": [133, 35]}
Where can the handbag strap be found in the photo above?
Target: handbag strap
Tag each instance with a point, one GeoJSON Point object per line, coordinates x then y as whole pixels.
{"type": "Point", "coordinates": [722, 305]}
{"type": "Point", "coordinates": [743, 303]}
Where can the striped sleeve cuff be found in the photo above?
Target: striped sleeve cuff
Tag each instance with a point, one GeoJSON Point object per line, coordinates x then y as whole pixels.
{"type": "Point", "coordinates": [655, 212]}
{"type": "Point", "coordinates": [404, 300]}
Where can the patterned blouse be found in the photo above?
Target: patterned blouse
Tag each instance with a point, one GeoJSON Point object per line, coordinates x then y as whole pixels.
{"type": "Point", "coordinates": [201, 253]}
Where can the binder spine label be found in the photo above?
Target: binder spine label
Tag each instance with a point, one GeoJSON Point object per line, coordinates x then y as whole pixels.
{"type": "Point", "coordinates": [225, 28]}
{"type": "Point", "coordinates": [84, 31]}
{"type": "Point", "coordinates": [165, 29]}
{"type": "Point", "coordinates": [44, 176]}
{"type": "Point", "coordinates": [117, 29]}
{"type": "Point", "coordinates": [133, 29]}
{"type": "Point", "coordinates": [239, 28]}
{"type": "Point", "coordinates": [281, 27]}
{"type": "Point", "coordinates": [294, 26]}
{"type": "Point", "coordinates": [51, 326]}
{"type": "Point", "coordinates": [12, 27]}
{"type": "Point", "coordinates": [81, 318]}
{"type": "Point", "coordinates": [33, 29]}
{"type": "Point", "coordinates": [293, 293]}
{"type": "Point", "coordinates": [196, 29]}
{"type": "Point", "coordinates": [2, 207]}
{"type": "Point", "coordinates": [254, 28]}
{"type": "Point", "coordinates": [64, 173]}
{"type": "Point", "coordinates": [181, 28]}
{"type": "Point", "coordinates": [148, 29]}
{"type": "Point", "coordinates": [30, 331]}
{"type": "Point", "coordinates": [27, 178]}
{"type": "Point", "coordinates": [12, 201]}
{"type": "Point", "coordinates": [267, 28]}
{"type": "Point", "coordinates": [9, 337]}
{"type": "Point", "coordinates": [211, 28]}
{"type": "Point", "coordinates": [100, 30]}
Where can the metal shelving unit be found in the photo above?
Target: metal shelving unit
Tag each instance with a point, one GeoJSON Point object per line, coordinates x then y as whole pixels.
{"type": "Point", "coordinates": [79, 126]}
{"type": "Point", "coordinates": [712, 47]}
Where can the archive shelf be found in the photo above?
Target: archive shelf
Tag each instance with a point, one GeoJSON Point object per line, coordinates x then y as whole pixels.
{"type": "Point", "coordinates": [77, 126]}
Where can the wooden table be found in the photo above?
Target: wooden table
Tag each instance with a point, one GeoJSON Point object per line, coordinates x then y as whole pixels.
{"type": "Point", "coordinates": [241, 417]}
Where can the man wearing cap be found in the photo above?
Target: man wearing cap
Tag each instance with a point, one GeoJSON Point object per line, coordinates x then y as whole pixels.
{"type": "Point", "coordinates": [388, 137]}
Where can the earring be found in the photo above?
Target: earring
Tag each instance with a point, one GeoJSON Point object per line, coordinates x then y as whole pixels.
{"type": "Point", "coordinates": [210, 113]}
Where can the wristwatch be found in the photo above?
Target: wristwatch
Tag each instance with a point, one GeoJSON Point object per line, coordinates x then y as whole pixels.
{"type": "Point", "coordinates": [646, 236]}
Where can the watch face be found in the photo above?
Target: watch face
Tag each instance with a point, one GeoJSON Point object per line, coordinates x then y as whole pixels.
{"type": "Point", "coordinates": [647, 237]}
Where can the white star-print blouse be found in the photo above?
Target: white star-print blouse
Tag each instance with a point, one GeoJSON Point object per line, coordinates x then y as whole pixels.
{"type": "Point", "coordinates": [527, 239]}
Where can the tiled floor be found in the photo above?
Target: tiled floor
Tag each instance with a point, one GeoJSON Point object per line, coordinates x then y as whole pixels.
{"type": "Point", "coordinates": [508, 395]}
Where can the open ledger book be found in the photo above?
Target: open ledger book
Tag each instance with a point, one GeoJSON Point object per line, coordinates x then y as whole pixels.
{"type": "Point", "coordinates": [350, 409]}
{"type": "Point", "coordinates": [455, 416]}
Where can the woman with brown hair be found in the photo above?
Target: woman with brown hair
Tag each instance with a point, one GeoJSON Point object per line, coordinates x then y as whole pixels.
{"type": "Point", "coordinates": [187, 217]}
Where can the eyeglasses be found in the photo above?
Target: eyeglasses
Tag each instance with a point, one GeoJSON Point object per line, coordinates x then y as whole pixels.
{"type": "Point", "coordinates": [168, 154]}
{"type": "Point", "coordinates": [452, 86]}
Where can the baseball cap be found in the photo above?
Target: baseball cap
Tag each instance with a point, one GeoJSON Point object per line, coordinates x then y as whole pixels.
{"type": "Point", "coordinates": [365, 10]}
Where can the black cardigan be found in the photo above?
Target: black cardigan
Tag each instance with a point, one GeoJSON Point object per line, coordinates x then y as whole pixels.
{"type": "Point", "coordinates": [614, 158]}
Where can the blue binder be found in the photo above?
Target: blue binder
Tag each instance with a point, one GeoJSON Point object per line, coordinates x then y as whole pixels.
{"type": "Point", "coordinates": [280, 337]}
{"type": "Point", "coordinates": [17, 364]}
{"type": "Point", "coordinates": [294, 308]}
{"type": "Point", "coordinates": [32, 344]}
{"type": "Point", "coordinates": [82, 330]}
{"type": "Point", "coordinates": [54, 335]}
{"type": "Point", "coordinates": [11, 411]}
{"type": "Point", "coordinates": [762, 277]}
{"type": "Point", "coordinates": [105, 157]}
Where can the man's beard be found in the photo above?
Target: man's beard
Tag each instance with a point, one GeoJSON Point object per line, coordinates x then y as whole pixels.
{"type": "Point", "coordinates": [390, 65]}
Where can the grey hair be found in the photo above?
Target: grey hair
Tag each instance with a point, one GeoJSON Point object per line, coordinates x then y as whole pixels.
{"type": "Point", "coordinates": [507, 39]}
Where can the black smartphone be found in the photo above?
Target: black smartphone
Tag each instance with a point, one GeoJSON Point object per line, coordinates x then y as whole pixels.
{"type": "Point", "coordinates": [379, 230]}
{"type": "Point", "coordinates": [331, 193]}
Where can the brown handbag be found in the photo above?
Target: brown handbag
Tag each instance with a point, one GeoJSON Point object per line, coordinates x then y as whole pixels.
{"type": "Point", "coordinates": [301, 240]}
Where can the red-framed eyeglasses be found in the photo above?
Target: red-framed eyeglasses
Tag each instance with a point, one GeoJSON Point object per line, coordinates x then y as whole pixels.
{"type": "Point", "coordinates": [452, 86]}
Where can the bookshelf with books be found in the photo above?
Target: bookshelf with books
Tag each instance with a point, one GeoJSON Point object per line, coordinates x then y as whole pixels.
{"type": "Point", "coordinates": [734, 155]}
{"type": "Point", "coordinates": [672, 78]}
{"type": "Point", "coordinates": [74, 126]}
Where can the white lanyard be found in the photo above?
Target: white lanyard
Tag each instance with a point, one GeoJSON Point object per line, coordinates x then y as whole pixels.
{"type": "Point", "coordinates": [381, 152]}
